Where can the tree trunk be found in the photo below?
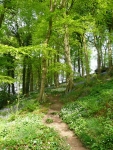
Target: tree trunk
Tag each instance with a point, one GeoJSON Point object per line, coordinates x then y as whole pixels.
{"type": "Point", "coordinates": [82, 64]}
{"type": "Point", "coordinates": [109, 54]}
{"type": "Point", "coordinates": [27, 86]}
{"type": "Point", "coordinates": [56, 75]}
{"type": "Point", "coordinates": [98, 45]}
{"type": "Point", "coordinates": [1, 19]}
{"type": "Point", "coordinates": [109, 57]}
{"type": "Point", "coordinates": [87, 66]}
{"type": "Point", "coordinates": [43, 80]}
{"type": "Point", "coordinates": [79, 62]}
{"type": "Point", "coordinates": [24, 77]}
{"type": "Point", "coordinates": [10, 72]}
{"type": "Point", "coordinates": [13, 75]}
{"type": "Point", "coordinates": [31, 79]}
{"type": "Point", "coordinates": [104, 59]}
{"type": "Point", "coordinates": [44, 56]}
{"type": "Point", "coordinates": [9, 85]}
{"type": "Point", "coordinates": [50, 73]}
{"type": "Point", "coordinates": [98, 61]}
{"type": "Point", "coordinates": [68, 61]}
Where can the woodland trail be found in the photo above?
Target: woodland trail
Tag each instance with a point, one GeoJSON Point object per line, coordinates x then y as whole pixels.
{"type": "Point", "coordinates": [60, 126]}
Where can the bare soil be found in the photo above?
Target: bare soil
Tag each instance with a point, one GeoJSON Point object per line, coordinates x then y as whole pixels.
{"type": "Point", "coordinates": [59, 125]}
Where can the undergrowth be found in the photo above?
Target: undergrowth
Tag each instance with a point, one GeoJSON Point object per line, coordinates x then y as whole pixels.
{"type": "Point", "coordinates": [28, 133]}
{"type": "Point", "coordinates": [90, 114]}
{"type": "Point", "coordinates": [23, 129]}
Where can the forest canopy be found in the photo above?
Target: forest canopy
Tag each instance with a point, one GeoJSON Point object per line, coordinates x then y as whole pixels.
{"type": "Point", "coordinates": [44, 43]}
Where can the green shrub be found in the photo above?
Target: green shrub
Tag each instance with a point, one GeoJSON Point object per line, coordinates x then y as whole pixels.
{"type": "Point", "coordinates": [5, 98]}
{"type": "Point", "coordinates": [29, 105]}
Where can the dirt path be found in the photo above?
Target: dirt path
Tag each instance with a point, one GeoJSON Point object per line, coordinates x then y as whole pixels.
{"type": "Point", "coordinates": [60, 126]}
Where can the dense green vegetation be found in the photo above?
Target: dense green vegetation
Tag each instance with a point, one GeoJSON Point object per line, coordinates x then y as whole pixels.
{"type": "Point", "coordinates": [88, 112]}
{"type": "Point", "coordinates": [90, 115]}
{"type": "Point", "coordinates": [23, 129]}
{"type": "Point", "coordinates": [46, 46]}
{"type": "Point", "coordinates": [29, 133]}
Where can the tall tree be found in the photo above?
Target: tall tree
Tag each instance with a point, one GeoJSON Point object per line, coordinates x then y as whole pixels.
{"type": "Point", "coordinates": [44, 55]}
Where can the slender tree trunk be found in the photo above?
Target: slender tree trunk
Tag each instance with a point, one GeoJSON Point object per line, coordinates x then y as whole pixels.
{"type": "Point", "coordinates": [9, 85]}
{"type": "Point", "coordinates": [56, 79]}
{"type": "Point", "coordinates": [79, 62]}
{"type": "Point", "coordinates": [87, 66]}
{"type": "Point", "coordinates": [104, 60]}
{"type": "Point", "coordinates": [43, 80]}
{"type": "Point", "coordinates": [68, 61]}
{"type": "Point", "coordinates": [109, 54]}
{"type": "Point", "coordinates": [27, 80]}
{"type": "Point", "coordinates": [1, 19]}
{"type": "Point", "coordinates": [31, 79]}
{"type": "Point", "coordinates": [82, 65]}
{"type": "Point", "coordinates": [56, 75]}
{"type": "Point", "coordinates": [13, 75]}
{"type": "Point", "coordinates": [39, 78]}
{"type": "Point", "coordinates": [27, 71]}
{"type": "Point", "coordinates": [24, 76]}
{"type": "Point", "coordinates": [98, 61]}
{"type": "Point", "coordinates": [109, 57]}
{"type": "Point", "coordinates": [44, 56]}
{"type": "Point", "coordinates": [98, 45]}
{"type": "Point", "coordinates": [74, 65]}
{"type": "Point", "coordinates": [10, 72]}
{"type": "Point", "coordinates": [50, 74]}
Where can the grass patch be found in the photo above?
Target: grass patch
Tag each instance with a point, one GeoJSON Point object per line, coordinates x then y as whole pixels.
{"type": "Point", "coordinates": [29, 133]}
{"type": "Point", "coordinates": [49, 120]}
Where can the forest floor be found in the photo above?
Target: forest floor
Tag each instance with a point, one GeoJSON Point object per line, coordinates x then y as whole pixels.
{"type": "Point", "coordinates": [52, 119]}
